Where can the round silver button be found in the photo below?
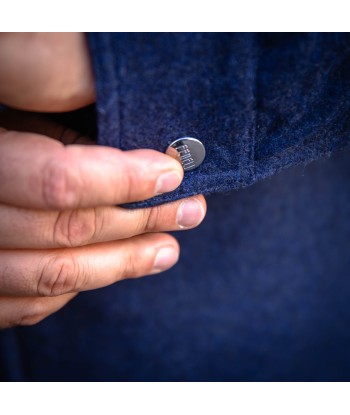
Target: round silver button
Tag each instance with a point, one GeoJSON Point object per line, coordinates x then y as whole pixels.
{"type": "Point", "coordinates": [189, 151]}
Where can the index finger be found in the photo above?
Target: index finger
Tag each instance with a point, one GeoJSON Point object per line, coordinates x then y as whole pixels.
{"type": "Point", "coordinates": [39, 172]}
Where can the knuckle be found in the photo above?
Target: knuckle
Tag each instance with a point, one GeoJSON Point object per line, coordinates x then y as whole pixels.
{"type": "Point", "coordinates": [151, 219]}
{"type": "Point", "coordinates": [148, 220]}
{"type": "Point", "coordinates": [130, 184]}
{"type": "Point", "coordinates": [137, 261]}
{"type": "Point", "coordinates": [127, 184]}
{"type": "Point", "coordinates": [32, 314]}
{"type": "Point", "coordinates": [59, 185]}
{"type": "Point", "coordinates": [61, 274]}
{"type": "Point", "coordinates": [129, 265]}
{"type": "Point", "coordinates": [76, 227]}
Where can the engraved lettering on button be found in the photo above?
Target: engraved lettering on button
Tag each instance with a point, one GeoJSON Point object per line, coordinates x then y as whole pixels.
{"type": "Point", "coordinates": [182, 148]}
{"type": "Point", "coordinates": [189, 151]}
{"type": "Point", "coordinates": [188, 162]}
{"type": "Point", "coordinates": [186, 158]}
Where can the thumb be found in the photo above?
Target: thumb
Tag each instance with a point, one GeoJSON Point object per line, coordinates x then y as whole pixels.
{"type": "Point", "coordinates": [39, 172]}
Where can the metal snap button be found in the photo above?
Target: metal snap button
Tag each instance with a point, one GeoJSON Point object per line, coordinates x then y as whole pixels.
{"type": "Point", "coordinates": [189, 151]}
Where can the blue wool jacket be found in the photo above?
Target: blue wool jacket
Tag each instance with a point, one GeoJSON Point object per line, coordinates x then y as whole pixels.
{"type": "Point", "coordinates": [262, 290]}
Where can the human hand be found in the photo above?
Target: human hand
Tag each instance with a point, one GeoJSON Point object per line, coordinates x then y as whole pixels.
{"type": "Point", "coordinates": [60, 232]}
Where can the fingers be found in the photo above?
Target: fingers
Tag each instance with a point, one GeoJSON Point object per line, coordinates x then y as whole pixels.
{"type": "Point", "coordinates": [62, 271]}
{"type": "Point", "coordinates": [45, 71]}
{"type": "Point", "coordinates": [31, 122]}
{"type": "Point", "coordinates": [34, 229]}
{"type": "Point", "coordinates": [24, 311]}
{"type": "Point", "coordinates": [38, 172]}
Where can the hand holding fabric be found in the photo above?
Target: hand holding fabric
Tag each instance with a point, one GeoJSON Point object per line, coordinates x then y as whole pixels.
{"type": "Point", "coordinates": [60, 231]}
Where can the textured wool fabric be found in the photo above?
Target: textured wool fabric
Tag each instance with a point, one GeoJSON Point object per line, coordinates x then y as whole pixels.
{"type": "Point", "coordinates": [261, 293]}
{"type": "Point", "coordinates": [262, 288]}
{"type": "Point", "coordinates": [258, 102]}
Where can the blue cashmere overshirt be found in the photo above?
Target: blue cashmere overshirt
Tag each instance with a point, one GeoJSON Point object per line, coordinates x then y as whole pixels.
{"type": "Point", "coordinates": [262, 289]}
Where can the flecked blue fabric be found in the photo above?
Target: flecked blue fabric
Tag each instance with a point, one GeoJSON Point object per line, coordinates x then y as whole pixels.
{"type": "Point", "coordinates": [261, 293]}
{"type": "Point", "coordinates": [262, 289]}
{"type": "Point", "coordinates": [258, 102]}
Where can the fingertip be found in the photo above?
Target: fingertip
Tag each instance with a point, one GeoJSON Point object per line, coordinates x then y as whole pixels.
{"type": "Point", "coordinates": [166, 251]}
{"type": "Point", "coordinates": [191, 212]}
{"type": "Point", "coordinates": [157, 159]}
{"type": "Point", "coordinates": [166, 258]}
{"type": "Point", "coordinates": [167, 182]}
{"type": "Point", "coordinates": [165, 172]}
{"type": "Point", "coordinates": [203, 202]}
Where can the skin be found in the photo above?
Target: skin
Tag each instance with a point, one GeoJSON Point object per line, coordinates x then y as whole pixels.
{"type": "Point", "coordinates": [60, 231]}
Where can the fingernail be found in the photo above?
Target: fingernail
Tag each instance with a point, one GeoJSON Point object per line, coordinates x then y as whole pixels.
{"type": "Point", "coordinates": [165, 258]}
{"type": "Point", "coordinates": [168, 182]}
{"type": "Point", "coordinates": [190, 213]}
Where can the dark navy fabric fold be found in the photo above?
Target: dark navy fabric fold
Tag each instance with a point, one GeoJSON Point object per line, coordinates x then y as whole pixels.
{"type": "Point", "coordinates": [259, 102]}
